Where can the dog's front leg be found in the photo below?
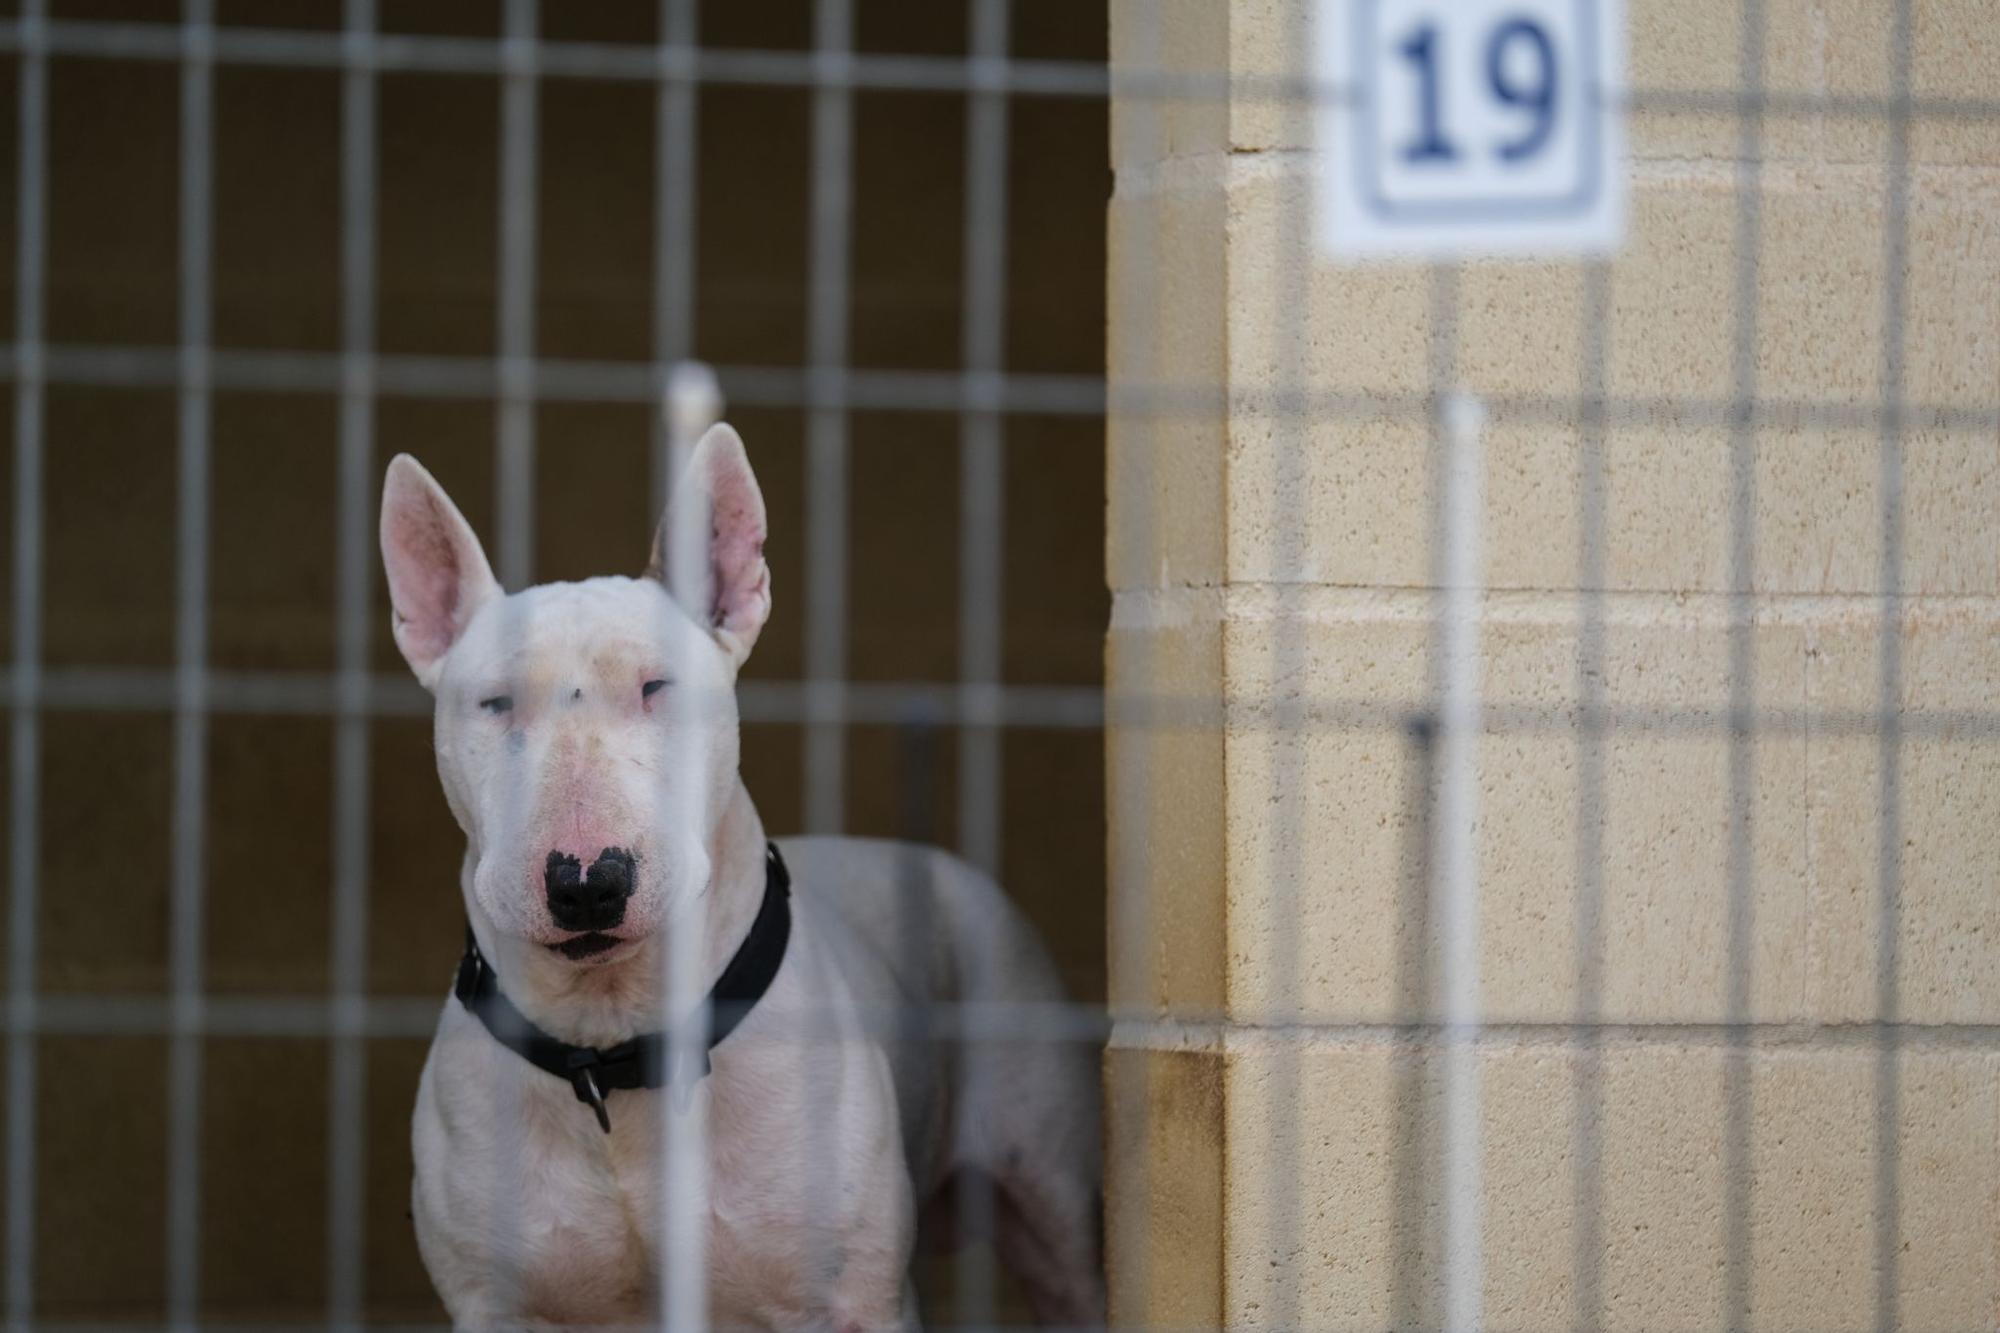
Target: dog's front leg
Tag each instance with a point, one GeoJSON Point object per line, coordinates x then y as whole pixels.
{"type": "Point", "coordinates": [477, 1316]}
{"type": "Point", "coordinates": [898, 1315]}
{"type": "Point", "coordinates": [873, 1294]}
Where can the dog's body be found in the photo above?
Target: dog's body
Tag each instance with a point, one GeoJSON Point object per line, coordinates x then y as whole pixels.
{"type": "Point", "coordinates": [831, 1124]}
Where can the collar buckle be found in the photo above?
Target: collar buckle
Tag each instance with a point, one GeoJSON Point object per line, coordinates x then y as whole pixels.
{"type": "Point", "coordinates": [583, 1079]}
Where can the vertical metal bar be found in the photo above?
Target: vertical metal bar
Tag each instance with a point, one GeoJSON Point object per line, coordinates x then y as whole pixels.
{"type": "Point", "coordinates": [675, 186]}
{"type": "Point", "coordinates": [191, 661]}
{"type": "Point", "coordinates": [1135, 719]}
{"type": "Point", "coordinates": [1450, 820]}
{"type": "Point", "coordinates": [1462, 507]}
{"type": "Point", "coordinates": [24, 777]}
{"type": "Point", "coordinates": [831, 221]}
{"type": "Point", "coordinates": [348, 1071]}
{"type": "Point", "coordinates": [1590, 803]}
{"type": "Point", "coordinates": [981, 464]}
{"type": "Point", "coordinates": [692, 402]}
{"type": "Point", "coordinates": [982, 481]}
{"type": "Point", "coordinates": [1741, 867]}
{"type": "Point", "coordinates": [514, 453]}
{"type": "Point", "coordinates": [1889, 702]}
{"type": "Point", "coordinates": [826, 427]}
{"type": "Point", "coordinates": [689, 403]}
{"type": "Point", "coordinates": [514, 461]}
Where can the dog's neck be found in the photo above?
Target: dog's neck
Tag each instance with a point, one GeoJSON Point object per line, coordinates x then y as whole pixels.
{"type": "Point", "coordinates": [604, 1005]}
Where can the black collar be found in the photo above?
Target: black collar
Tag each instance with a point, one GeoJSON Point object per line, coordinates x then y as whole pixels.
{"type": "Point", "coordinates": [642, 1061]}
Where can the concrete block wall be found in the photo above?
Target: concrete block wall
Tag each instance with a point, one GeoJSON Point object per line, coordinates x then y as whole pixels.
{"type": "Point", "coordinates": [1272, 1087]}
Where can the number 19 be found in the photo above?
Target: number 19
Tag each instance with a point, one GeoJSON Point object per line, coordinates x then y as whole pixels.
{"type": "Point", "coordinates": [1536, 96]}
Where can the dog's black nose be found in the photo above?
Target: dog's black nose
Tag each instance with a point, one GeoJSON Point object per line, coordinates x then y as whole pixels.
{"type": "Point", "coordinates": [593, 899]}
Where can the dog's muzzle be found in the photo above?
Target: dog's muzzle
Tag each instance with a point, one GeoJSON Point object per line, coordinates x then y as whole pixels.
{"type": "Point", "coordinates": [642, 1061]}
{"type": "Point", "coordinates": [588, 900]}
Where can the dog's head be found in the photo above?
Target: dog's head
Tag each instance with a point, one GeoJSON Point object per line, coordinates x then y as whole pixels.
{"type": "Point", "coordinates": [586, 733]}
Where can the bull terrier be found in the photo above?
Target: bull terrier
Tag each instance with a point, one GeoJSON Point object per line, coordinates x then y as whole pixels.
{"type": "Point", "coordinates": [587, 741]}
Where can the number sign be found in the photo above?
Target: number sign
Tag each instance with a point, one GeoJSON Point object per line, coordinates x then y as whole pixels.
{"type": "Point", "coordinates": [1471, 127]}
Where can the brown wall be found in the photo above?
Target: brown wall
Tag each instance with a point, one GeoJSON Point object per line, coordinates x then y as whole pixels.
{"type": "Point", "coordinates": [111, 540]}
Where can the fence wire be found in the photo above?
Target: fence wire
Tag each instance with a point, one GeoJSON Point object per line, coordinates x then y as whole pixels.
{"type": "Point", "coordinates": [1438, 729]}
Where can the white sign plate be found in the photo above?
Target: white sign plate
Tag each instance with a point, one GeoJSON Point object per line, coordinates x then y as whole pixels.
{"type": "Point", "coordinates": [1463, 128]}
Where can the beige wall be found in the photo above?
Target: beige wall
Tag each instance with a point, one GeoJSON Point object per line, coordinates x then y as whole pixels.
{"type": "Point", "coordinates": [1267, 871]}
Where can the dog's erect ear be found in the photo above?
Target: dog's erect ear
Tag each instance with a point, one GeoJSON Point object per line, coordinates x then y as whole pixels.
{"type": "Point", "coordinates": [730, 593]}
{"type": "Point", "coordinates": [438, 575]}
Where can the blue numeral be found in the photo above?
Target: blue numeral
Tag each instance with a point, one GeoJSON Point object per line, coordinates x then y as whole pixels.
{"type": "Point", "coordinates": [1431, 145]}
{"type": "Point", "coordinates": [1539, 97]}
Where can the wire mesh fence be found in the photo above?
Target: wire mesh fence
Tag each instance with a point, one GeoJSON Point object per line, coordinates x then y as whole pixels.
{"type": "Point", "coordinates": [1553, 592]}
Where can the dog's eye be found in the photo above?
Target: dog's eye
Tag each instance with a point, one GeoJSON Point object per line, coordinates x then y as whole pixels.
{"type": "Point", "coordinates": [498, 704]}
{"type": "Point", "coordinates": [651, 688]}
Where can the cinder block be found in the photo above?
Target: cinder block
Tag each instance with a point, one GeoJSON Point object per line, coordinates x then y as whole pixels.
{"type": "Point", "coordinates": [1164, 1198]}
{"type": "Point", "coordinates": [1947, 917]}
{"type": "Point", "coordinates": [1812, 1145]}
{"type": "Point", "coordinates": [1820, 290]}
{"type": "Point", "coordinates": [1175, 38]}
{"type": "Point", "coordinates": [1794, 68]}
{"type": "Point", "coordinates": [1820, 525]}
{"type": "Point", "coordinates": [1339, 1222]}
{"type": "Point", "coordinates": [1954, 51]}
{"type": "Point", "coordinates": [1164, 768]}
{"type": "Point", "coordinates": [1672, 288]}
{"type": "Point", "coordinates": [1521, 329]}
{"type": "Point", "coordinates": [1243, 62]}
{"type": "Point", "coordinates": [1814, 1142]}
{"type": "Point", "coordinates": [1667, 509]}
{"type": "Point", "coordinates": [1951, 493]}
{"type": "Point", "coordinates": [1662, 1261]}
{"type": "Point", "coordinates": [1821, 318]}
{"type": "Point", "coordinates": [1821, 298]}
{"type": "Point", "coordinates": [1814, 1136]}
{"type": "Point", "coordinates": [1534, 505]}
{"type": "Point", "coordinates": [1529, 1181]}
{"type": "Point", "coordinates": [1334, 1218]}
{"type": "Point", "coordinates": [1951, 308]}
{"type": "Point", "coordinates": [1671, 510]}
{"type": "Point", "coordinates": [1670, 886]}
{"type": "Point", "coordinates": [1819, 521]}
{"type": "Point", "coordinates": [1169, 417]}
{"type": "Point", "coordinates": [1683, 48]}
{"type": "Point", "coordinates": [1271, 45]}
{"type": "Point", "coordinates": [1334, 500]}
{"type": "Point", "coordinates": [1296, 321]}
{"type": "Point", "coordinates": [1328, 793]}
{"type": "Point", "coordinates": [1698, 48]}
{"type": "Point", "coordinates": [1946, 1173]}
{"type": "Point", "coordinates": [1329, 1192]}
{"type": "Point", "coordinates": [1352, 503]}
{"type": "Point", "coordinates": [1362, 462]}
{"type": "Point", "coordinates": [1324, 803]}
{"type": "Point", "coordinates": [1166, 528]}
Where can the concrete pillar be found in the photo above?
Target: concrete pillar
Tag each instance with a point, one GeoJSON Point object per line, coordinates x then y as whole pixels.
{"type": "Point", "coordinates": [1689, 1119]}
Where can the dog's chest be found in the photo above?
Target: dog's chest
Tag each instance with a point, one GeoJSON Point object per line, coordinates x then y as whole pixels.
{"type": "Point", "coordinates": [590, 1209]}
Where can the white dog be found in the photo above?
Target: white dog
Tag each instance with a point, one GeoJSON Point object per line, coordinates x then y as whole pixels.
{"type": "Point", "coordinates": [586, 736]}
